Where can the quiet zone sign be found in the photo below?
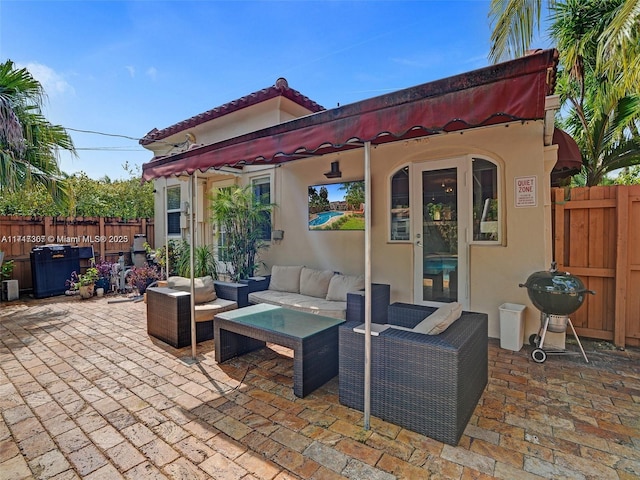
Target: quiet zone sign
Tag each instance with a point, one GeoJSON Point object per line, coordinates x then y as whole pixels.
{"type": "Point", "coordinates": [526, 195]}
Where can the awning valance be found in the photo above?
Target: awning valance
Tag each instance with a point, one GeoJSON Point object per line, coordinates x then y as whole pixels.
{"type": "Point", "coordinates": [511, 91]}
{"type": "Point", "coordinates": [569, 156]}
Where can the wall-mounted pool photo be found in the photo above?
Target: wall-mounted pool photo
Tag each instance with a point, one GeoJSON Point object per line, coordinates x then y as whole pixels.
{"type": "Point", "coordinates": [337, 206]}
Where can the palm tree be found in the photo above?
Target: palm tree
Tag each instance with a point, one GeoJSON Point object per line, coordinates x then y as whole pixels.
{"type": "Point", "coordinates": [515, 22]}
{"type": "Point", "coordinates": [602, 118]}
{"type": "Point", "coordinates": [600, 109]}
{"type": "Point", "coordinates": [602, 133]}
{"type": "Point", "coordinates": [28, 142]}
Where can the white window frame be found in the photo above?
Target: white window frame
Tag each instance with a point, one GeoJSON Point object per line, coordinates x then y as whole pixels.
{"type": "Point", "coordinates": [173, 210]}
{"type": "Point", "coordinates": [500, 235]}
{"type": "Point", "coordinates": [269, 179]}
{"type": "Point", "coordinates": [499, 228]}
{"type": "Point", "coordinates": [390, 204]}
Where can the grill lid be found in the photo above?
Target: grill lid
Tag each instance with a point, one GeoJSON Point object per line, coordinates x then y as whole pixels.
{"type": "Point", "coordinates": [554, 292]}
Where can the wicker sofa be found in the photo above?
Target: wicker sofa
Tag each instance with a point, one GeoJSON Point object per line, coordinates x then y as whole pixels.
{"type": "Point", "coordinates": [321, 292]}
{"type": "Point", "coordinates": [169, 308]}
{"type": "Point", "coordinates": [426, 383]}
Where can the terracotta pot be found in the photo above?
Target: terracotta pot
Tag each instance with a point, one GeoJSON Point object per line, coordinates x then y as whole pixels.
{"type": "Point", "coordinates": [86, 291]}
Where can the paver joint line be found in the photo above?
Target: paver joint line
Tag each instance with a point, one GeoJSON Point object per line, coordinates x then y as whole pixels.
{"type": "Point", "coordinates": [92, 395]}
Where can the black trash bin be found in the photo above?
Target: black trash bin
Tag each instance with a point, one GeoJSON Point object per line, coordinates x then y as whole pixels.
{"type": "Point", "coordinates": [51, 267]}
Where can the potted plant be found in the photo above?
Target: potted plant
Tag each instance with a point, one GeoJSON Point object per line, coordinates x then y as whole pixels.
{"type": "Point", "coordinates": [142, 277]}
{"type": "Point", "coordinates": [105, 270]}
{"type": "Point", "coordinates": [203, 258]}
{"type": "Point", "coordinates": [435, 210]}
{"type": "Point", "coordinates": [84, 283]}
{"type": "Point", "coordinates": [242, 219]}
{"type": "Point", "coordinates": [6, 269]}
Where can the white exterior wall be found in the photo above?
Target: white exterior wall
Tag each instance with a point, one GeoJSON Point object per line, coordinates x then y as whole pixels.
{"type": "Point", "coordinates": [495, 271]}
{"type": "Point", "coordinates": [256, 117]}
{"type": "Point", "coordinates": [159, 197]}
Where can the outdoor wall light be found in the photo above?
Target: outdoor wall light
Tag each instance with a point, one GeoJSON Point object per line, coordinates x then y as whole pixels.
{"type": "Point", "coordinates": [335, 170]}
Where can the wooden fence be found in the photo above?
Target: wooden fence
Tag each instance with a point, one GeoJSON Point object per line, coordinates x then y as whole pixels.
{"type": "Point", "coordinates": [597, 237]}
{"type": "Point", "coordinates": [107, 236]}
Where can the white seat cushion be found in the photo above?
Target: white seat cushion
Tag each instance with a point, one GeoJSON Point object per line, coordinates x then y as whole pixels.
{"type": "Point", "coordinates": [440, 320]}
{"type": "Point", "coordinates": [206, 311]}
{"type": "Point", "coordinates": [303, 303]}
{"type": "Point", "coordinates": [315, 282]}
{"type": "Point", "coordinates": [340, 285]}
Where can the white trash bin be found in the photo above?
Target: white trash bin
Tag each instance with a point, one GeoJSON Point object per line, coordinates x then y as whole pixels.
{"type": "Point", "coordinates": [511, 326]}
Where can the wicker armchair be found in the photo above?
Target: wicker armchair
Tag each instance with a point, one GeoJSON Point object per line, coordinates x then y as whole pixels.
{"type": "Point", "coordinates": [169, 312]}
{"type": "Point", "coordinates": [426, 383]}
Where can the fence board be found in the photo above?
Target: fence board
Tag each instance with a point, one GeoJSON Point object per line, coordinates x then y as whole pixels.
{"type": "Point", "coordinates": [597, 237]}
{"type": "Point", "coordinates": [578, 221]}
{"type": "Point", "coordinates": [633, 280]}
{"type": "Point", "coordinates": [108, 236]}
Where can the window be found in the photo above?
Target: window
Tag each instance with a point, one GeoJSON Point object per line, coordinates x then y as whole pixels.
{"type": "Point", "coordinates": [486, 201]}
{"type": "Point", "coordinates": [400, 205]}
{"type": "Point", "coordinates": [262, 191]}
{"type": "Point", "coordinates": [173, 210]}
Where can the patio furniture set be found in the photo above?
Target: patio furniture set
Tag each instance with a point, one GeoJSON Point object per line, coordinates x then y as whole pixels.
{"type": "Point", "coordinates": [428, 383]}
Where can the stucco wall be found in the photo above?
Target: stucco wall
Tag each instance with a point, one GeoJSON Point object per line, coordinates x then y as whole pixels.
{"type": "Point", "coordinates": [495, 271]}
{"type": "Point", "coordinates": [256, 117]}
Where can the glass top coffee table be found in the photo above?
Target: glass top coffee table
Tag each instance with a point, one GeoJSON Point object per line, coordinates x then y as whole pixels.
{"type": "Point", "coordinates": [313, 339]}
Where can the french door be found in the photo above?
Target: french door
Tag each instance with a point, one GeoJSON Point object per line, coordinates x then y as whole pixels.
{"type": "Point", "coordinates": [440, 217]}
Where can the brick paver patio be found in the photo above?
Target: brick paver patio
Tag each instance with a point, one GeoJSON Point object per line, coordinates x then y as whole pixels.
{"type": "Point", "coordinates": [85, 393]}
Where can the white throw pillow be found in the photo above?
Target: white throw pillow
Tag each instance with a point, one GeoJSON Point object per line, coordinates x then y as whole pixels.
{"type": "Point", "coordinates": [204, 288]}
{"type": "Point", "coordinates": [340, 285]}
{"type": "Point", "coordinates": [315, 283]}
{"type": "Point", "coordinates": [285, 278]}
{"type": "Point", "coordinates": [440, 320]}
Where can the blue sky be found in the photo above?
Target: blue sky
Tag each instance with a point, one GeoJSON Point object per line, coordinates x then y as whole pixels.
{"type": "Point", "coordinates": [335, 194]}
{"type": "Point", "coordinates": [125, 67]}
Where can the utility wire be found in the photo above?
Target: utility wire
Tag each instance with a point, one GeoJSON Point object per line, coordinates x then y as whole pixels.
{"type": "Point", "coordinates": [117, 149]}
{"type": "Point", "coordinates": [122, 136]}
{"type": "Point", "coordinates": [102, 133]}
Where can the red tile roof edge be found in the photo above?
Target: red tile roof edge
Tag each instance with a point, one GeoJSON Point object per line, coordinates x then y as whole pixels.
{"type": "Point", "coordinates": [280, 88]}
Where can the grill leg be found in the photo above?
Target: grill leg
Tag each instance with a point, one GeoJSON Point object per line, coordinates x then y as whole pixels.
{"type": "Point", "coordinates": [579, 344]}
{"type": "Point", "coordinates": [543, 331]}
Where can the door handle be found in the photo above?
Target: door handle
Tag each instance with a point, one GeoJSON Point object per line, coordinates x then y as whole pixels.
{"type": "Point", "coordinates": [419, 243]}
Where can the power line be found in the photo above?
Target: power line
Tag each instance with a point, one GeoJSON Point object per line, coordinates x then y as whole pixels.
{"type": "Point", "coordinates": [102, 133]}
{"type": "Point", "coordinates": [115, 149]}
{"type": "Point", "coordinates": [122, 136]}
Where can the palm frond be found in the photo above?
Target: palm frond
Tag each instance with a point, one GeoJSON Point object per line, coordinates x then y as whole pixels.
{"type": "Point", "coordinates": [29, 142]}
{"type": "Point", "coordinates": [513, 24]}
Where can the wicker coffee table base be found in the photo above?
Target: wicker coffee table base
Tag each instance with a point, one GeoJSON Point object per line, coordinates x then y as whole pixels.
{"type": "Point", "coordinates": [315, 358]}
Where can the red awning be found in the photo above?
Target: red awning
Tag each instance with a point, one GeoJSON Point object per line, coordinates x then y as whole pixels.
{"type": "Point", "coordinates": [507, 92]}
{"type": "Point", "coordinates": [569, 156]}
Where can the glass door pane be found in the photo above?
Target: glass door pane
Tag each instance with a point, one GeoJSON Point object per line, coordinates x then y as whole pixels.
{"type": "Point", "coordinates": [440, 235]}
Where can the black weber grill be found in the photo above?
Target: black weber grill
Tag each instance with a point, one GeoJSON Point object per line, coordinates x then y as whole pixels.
{"type": "Point", "coordinates": [557, 295]}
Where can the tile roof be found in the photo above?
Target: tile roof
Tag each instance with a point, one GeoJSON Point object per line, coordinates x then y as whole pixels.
{"type": "Point", "coordinates": [280, 88]}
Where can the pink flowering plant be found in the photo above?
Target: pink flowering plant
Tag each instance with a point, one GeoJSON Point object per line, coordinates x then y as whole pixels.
{"type": "Point", "coordinates": [105, 271]}
{"type": "Point", "coordinates": [142, 277]}
{"type": "Point", "coordinates": [104, 268]}
{"type": "Point", "coordinates": [74, 282]}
